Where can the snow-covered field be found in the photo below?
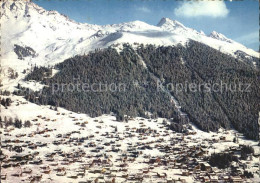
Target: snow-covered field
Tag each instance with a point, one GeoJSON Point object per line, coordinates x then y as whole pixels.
{"type": "Point", "coordinates": [63, 146]}
{"type": "Point", "coordinates": [74, 147]}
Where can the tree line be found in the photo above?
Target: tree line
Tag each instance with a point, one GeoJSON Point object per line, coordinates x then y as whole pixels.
{"type": "Point", "coordinates": [194, 63]}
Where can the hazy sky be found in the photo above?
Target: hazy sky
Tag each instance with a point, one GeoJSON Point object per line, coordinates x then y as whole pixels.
{"type": "Point", "coordinates": [238, 20]}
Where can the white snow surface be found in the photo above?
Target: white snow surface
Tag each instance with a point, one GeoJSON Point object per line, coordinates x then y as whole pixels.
{"type": "Point", "coordinates": [55, 37]}
{"type": "Point", "coordinates": [63, 122]}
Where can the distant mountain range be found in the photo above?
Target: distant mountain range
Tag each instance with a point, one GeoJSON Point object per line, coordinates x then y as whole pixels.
{"type": "Point", "coordinates": [55, 37]}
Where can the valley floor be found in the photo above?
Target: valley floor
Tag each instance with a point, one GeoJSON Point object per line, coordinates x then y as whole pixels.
{"type": "Point", "coordinates": [63, 146]}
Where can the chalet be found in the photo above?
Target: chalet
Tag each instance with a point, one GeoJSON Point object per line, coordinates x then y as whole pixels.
{"type": "Point", "coordinates": [30, 135]}
{"type": "Point", "coordinates": [72, 176]}
{"type": "Point", "coordinates": [46, 171]}
{"type": "Point", "coordinates": [177, 165]}
{"type": "Point", "coordinates": [185, 173]}
{"type": "Point", "coordinates": [20, 157]}
{"type": "Point", "coordinates": [161, 175]}
{"type": "Point", "coordinates": [40, 144]}
{"type": "Point", "coordinates": [3, 176]}
{"type": "Point", "coordinates": [7, 165]}
{"type": "Point", "coordinates": [32, 146]}
{"type": "Point", "coordinates": [170, 181]}
{"type": "Point", "coordinates": [95, 171]}
{"type": "Point", "coordinates": [225, 178]}
{"type": "Point", "coordinates": [205, 167]}
{"type": "Point", "coordinates": [236, 179]}
{"type": "Point", "coordinates": [36, 178]}
{"type": "Point", "coordinates": [214, 179]}
{"type": "Point", "coordinates": [17, 149]}
{"type": "Point", "coordinates": [47, 135]}
{"type": "Point", "coordinates": [81, 172]}
{"type": "Point", "coordinates": [139, 176]}
{"type": "Point", "coordinates": [222, 138]}
{"type": "Point", "coordinates": [58, 135]}
{"type": "Point", "coordinates": [61, 173]}
{"type": "Point", "coordinates": [205, 179]}
{"type": "Point", "coordinates": [20, 135]}
{"type": "Point", "coordinates": [199, 154]}
{"type": "Point", "coordinates": [49, 159]}
{"type": "Point", "coordinates": [36, 162]}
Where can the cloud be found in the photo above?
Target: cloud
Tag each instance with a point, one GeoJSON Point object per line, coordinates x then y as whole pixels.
{"type": "Point", "coordinates": [202, 8]}
{"type": "Point", "coordinates": [143, 9]}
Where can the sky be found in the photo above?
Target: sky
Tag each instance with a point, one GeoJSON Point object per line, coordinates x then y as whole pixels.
{"type": "Point", "coordinates": [237, 20]}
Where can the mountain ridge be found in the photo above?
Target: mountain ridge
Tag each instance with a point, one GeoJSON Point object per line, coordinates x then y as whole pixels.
{"type": "Point", "coordinates": [30, 13]}
{"type": "Point", "coordinates": [54, 37]}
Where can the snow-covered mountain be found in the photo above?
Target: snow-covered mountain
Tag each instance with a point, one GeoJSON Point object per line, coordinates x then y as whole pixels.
{"type": "Point", "coordinates": [60, 145]}
{"type": "Point", "coordinates": [54, 37]}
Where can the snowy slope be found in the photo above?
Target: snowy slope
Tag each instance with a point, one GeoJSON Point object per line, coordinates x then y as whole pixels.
{"type": "Point", "coordinates": [65, 122]}
{"type": "Point", "coordinates": [54, 37]}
